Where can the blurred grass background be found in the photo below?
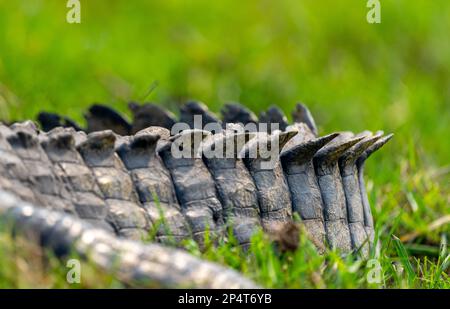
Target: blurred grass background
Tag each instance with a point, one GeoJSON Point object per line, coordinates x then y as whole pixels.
{"type": "Point", "coordinates": [353, 75]}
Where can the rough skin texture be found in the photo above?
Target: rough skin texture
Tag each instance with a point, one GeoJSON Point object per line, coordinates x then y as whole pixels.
{"type": "Point", "coordinates": [123, 182]}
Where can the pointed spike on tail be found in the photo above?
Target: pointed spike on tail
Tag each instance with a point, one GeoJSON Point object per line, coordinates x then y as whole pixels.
{"type": "Point", "coordinates": [49, 121]}
{"type": "Point", "coordinates": [149, 114]}
{"type": "Point", "coordinates": [237, 113]}
{"type": "Point", "coordinates": [274, 115]}
{"type": "Point", "coordinates": [164, 135]}
{"type": "Point", "coordinates": [352, 154]}
{"type": "Point", "coordinates": [101, 140]}
{"type": "Point", "coordinates": [380, 143]}
{"type": "Point", "coordinates": [25, 134]}
{"type": "Point", "coordinates": [59, 145]}
{"type": "Point", "coordinates": [368, 141]}
{"type": "Point", "coordinates": [333, 151]}
{"type": "Point", "coordinates": [265, 147]}
{"type": "Point", "coordinates": [302, 114]}
{"type": "Point", "coordinates": [60, 138]}
{"type": "Point", "coordinates": [194, 108]}
{"type": "Point", "coordinates": [138, 151]}
{"type": "Point", "coordinates": [98, 148]}
{"type": "Point", "coordinates": [348, 159]}
{"type": "Point", "coordinates": [304, 152]}
{"type": "Point", "coordinates": [144, 142]}
{"type": "Point", "coordinates": [23, 138]}
{"type": "Point", "coordinates": [323, 140]}
{"type": "Point", "coordinates": [101, 117]}
{"type": "Point", "coordinates": [283, 138]}
{"type": "Point", "coordinates": [377, 145]}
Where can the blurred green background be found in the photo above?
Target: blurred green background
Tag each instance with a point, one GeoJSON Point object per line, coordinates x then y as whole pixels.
{"type": "Point", "coordinates": [353, 75]}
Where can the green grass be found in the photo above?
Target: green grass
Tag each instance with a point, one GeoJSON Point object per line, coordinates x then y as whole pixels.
{"type": "Point", "coordinates": [305, 268]}
{"type": "Point", "coordinates": [353, 75]}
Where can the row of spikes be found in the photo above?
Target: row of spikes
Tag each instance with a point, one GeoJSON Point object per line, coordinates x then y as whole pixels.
{"type": "Point", "coordinates": [101, 117]}
{"type": "Point", "coordinates": [343, 148]}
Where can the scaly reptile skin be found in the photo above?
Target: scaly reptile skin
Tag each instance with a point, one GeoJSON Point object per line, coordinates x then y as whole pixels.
{"type": "Point", "coordinates": [104, 191]}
